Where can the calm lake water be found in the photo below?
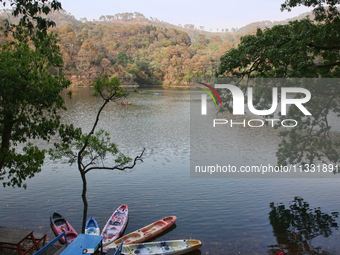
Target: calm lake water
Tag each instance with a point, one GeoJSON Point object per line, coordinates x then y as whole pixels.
{"type": "Point", "coordinates": [229, 215]}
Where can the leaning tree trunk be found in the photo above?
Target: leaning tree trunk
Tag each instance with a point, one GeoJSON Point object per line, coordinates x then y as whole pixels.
{"type": "Point", "coordinates": [83, 195]}
{"type": "Point", "coordinates": [5, 139]}
{"type": "Point", "coordinates": [81, 167]}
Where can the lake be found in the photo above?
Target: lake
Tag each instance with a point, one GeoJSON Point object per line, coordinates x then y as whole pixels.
{"type": "Point", "coordinates": [229, 215]}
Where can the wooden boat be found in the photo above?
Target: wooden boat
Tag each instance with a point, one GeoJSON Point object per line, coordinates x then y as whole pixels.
{"type": "Point", "coordinates": [158, 94]}
{"type": "Point", "coordinates": [91, 227]}
{"type": "Point", "coordinates": [125, 103]}
{"type": "Point", "coordinates": [60, 225]}
{"type": "Point", "coordinates": [145, 233]}
{"type": "Point", "coordinates": [173, 247]}
{"type": "Point", "coordinates": [115, 225]}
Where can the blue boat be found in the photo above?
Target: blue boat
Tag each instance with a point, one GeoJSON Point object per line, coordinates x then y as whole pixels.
{"type": "Point", "coordinates": [157, 94]}
{"type": "Point", "coordinates": [92, 227]}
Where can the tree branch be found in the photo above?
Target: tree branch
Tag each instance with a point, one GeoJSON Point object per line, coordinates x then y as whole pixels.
{"type": "Point", "coordinates": [283, 43]}
{"type": "Point", "coordinates": [329, 65]}
{"type": "Point", "coordinates": [91, 133]}
{"type": "Point", "coordinates": [91, 162]}
{"type": "Point", "coordinates": [320, 47]}
{"type": "Point", "coordinates": [138, 158]}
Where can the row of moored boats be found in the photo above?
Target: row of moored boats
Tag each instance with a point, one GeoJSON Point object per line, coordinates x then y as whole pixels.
{"type": "Point", "coordinates": [133, 243]}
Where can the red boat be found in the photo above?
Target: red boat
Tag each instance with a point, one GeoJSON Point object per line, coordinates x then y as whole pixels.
{"type": "Point", "coordinates": [60, 225]}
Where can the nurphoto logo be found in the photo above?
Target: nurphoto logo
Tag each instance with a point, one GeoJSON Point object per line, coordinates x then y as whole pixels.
{"type": "Point", "coordinates": [239, 104]}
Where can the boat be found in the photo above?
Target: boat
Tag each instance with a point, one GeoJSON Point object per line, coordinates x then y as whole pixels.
{"type": "Point", "coordinates": [143, 234]}
{"type": "Point", "coordinates": [116, 225]}
{"type": "Point", "coordinates": [173, 247]}
{"type": "Point", "coordinates": [60, 225]}
{"type": "Point", "coordinates": [92, 227]}
{"type": "Point", "coordinates": [158, 94]}
{"type": "Point", "coordinates": [125, 103]}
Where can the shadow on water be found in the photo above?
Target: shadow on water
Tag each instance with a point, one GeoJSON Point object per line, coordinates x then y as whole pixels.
{"type": "Point", "coordinates": [124, 232]}
{"type": "Point", "coordinates": [195, 252]}
{"type": "Point", "coordinates": [158, 237]}
{"type": "Point", "coordinates": [295, 227]}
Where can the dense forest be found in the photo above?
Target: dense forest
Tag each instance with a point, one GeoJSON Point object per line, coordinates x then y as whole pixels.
{"type": "Point", "coordinates": [144, 54]}
{"type": "Point", "coordinates": [140, 50]}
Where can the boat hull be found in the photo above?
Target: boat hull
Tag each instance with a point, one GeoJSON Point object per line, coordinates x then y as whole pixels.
{"type": "Point", "coordinates": [173, 247]}
{"type": "Point", "coordinates": [92, 227]}
{"type": "Point", "coordinates": [60, 225]}
{"type": "Point", "coordinates": [116, 225]}
{"type": "Point", "coordinates": [145, 233]}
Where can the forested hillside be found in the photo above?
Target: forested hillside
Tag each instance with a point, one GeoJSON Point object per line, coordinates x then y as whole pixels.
{"type": "Point", "coordinates": [143, 54]}
{"type": "Point", "coordinates": [140, 50]}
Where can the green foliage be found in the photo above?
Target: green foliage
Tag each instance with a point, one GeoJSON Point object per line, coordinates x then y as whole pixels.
{"type": "Point", "coordinates": [145, 42]}
{"type": "Point", "coordinates": [90, 150]}
{"type": "Point", "coordinates": [300, 49]}
{"type": "Point", "coordinates": [286, 51]}
{"type": "Point", "coordinates": [98, 147]}
{"type": "Point", "coordinates": [31, 12]}
{"type": "Point", "coordinates": [142, 72]}
{"type": "Point", "coordinates": [29, 100]}
{"type": "Point", "coordinates": [69, 136]}
{"type": "Point", "coordinates": [122, 59]}
{"type": "Point", "coordinates": [20, 166]}
{"type": "Point", "coordinates": [323, 14]}
{"type": "Point", "coordinates": [108, 88]}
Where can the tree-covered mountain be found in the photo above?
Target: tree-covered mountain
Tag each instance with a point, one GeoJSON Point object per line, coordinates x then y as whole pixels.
{"type": "Point", "coordinates": [145, 54]}
{"type": "Point", "coordinates": [139, 49]}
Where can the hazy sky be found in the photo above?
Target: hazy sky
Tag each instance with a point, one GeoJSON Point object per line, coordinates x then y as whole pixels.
{"type": "Point", "coordinates": [212, 14]}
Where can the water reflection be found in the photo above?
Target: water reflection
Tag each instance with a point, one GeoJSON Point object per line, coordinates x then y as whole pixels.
{"type": "Point", "coordinates": [229, 215]}
{"type": "Point", "coordinates": [296, 227]}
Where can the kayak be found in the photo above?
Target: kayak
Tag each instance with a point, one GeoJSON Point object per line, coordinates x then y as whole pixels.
{"type": "Point", "coordinates": [115, 225]}
{"type": "Point", "coordinates": [60, 225]}
{"type": "Point", "coordinates": [158, 94]}
{"type": "Point", "coordinates": [91, 227]}
{"type": "Point", "coordinates": [173, 247]}
{"type": "Point", "coordinates": [145, 233]}
{"type": "Point", "coordinates": [129, 103]}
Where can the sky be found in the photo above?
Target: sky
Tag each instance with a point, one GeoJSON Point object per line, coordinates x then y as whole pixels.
{"type": "Point", "coordinates": [212, 14]}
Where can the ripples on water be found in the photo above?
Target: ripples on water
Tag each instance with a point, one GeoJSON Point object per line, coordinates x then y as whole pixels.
{"type": "Point", "coordinates": [230, 216]}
